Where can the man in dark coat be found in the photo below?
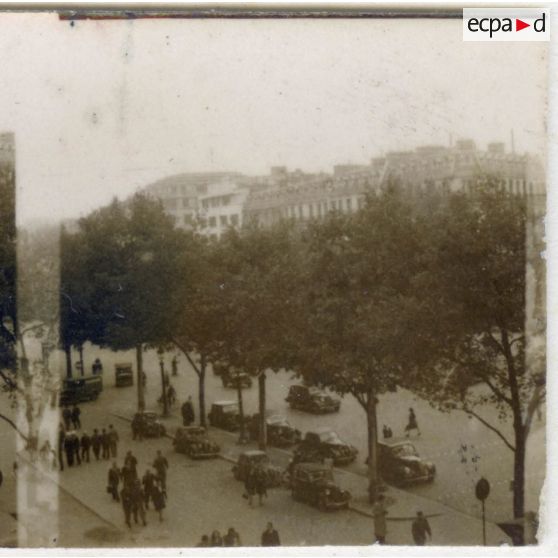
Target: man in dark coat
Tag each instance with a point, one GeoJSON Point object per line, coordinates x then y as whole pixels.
{"type": "Point", "coordinates": [420, 529]}
{"type": "Point", "coordinates": [96, 443]}
{"type": "Point", "coordinates": [137, 502]}
{"type": "Point", "coordinates": [137, 432]}
{"type": "Point", "coordinates": [85, 445]}
{"type": "Point", "coordinates": [113, 481]}
{"type": "Point", "coordinates": [67, 416]}
{"type": "Point", "coordinates": [76, 413]}
{"type": "Point", "coordinates": [161, 465]}
{"type": "Point", "coordinates": [128, 475]}
{"type": "Point", "coordinates": [77, 448]}
{"type": "Point", "coordinates": [270, 537]}
{"type": "Point", "coordinates": [187, 412]}
{"type": "Point", "coordinates": [132, 462]}
{"type": "Point", "coordinates": [97, 367]}
{"type": "Point", "coordinates": [148, 482]}
{"type": "Point", "coordinates": [113, 440]}
{"type": "Point", "coordinates": [127, 503]}
{"type": "Point", "coordinates": [105, 444]}
{"type": "Point", "coordinates": [69, 448]}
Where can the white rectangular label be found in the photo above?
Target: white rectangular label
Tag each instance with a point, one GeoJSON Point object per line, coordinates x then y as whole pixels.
{"type": "Point", "coordinates": [506, 24]}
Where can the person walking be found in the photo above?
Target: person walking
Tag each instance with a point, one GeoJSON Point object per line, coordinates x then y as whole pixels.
{"type": "Point", "coordinates": [148, 482]}
{"type": "Point", "coordinates": [96, 444]}
{"type": "Point", "coordinates": [412, 424]}
{"type": "Point", "coordinates": [174, 365]}
{"type": "Point", "coordinates": [67, 417]}
{"type": "Point", "coordinates": [127, 474]}
{"type": "Point", "coordinates": [76, 414]}
{"type": "Point", "coordinates": [77, 448]}
{"type": "Point", "coordinates": [69, 448]}
{"type": "Point", "coordinates": [97, 367]}
{"type": "Point", "coordinates": [113, 481]}
{"type": "Point", "coordinates": [105, 444]}
{"type": "Point", "coordinates": [158, 497]}
{"type": "Point", "coordinates": [132, 462]}
{"type": "Point", "coordinates": [216, 539]}
{"type": "Point", "coordinates": [113, 441]}
{"type": "Point", "coordinates": [161, 465]}
{"type": "Point", "coordinates": [127, 503]}
{"type": "Point", "coordinates": [137, 431]}
{"type": "Point", "coordinates": [250, 485]}
{"type": "Point", "coordinates": [187, 412]}
{"type": "Point", "coordinates": [261, 483]}
{"type": "Point", "coordinates": [270, 537]}
{"type": "Point", "coordinates": [138, 508]}
{"type": "Point", "coordinates": [171, 395]}
{"type": "Point", "coordinates": [380, 524]}
{"type": "Point", "coordinates": [421, 529]}
{"type": "Point", "coordinates": [232, 538]}
{"type": "Point", "coordinates": [85, 446]}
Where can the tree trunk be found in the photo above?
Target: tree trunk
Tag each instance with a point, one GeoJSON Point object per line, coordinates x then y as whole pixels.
{"type": "Point", "coordinates": [373, 476]}
{"type": "Point", "coordinates": [519, 475]}
{"type": "Point", "coordinates": [139, 366]}
{"type": "Point", "coordinates": [68, 351]}
{"type": "Point", "coordinates": [81, 360]}
{"type": "Point", "coordinates": [242, 436]}
{"type": "Point", "coordinates": [201, 395]}
{"type": "Point", "coordinates": [262, 441]}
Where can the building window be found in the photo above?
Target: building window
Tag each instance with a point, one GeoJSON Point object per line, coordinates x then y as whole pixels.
{"type": "Point", "coordinates": [223, 220]}
{"type": "Point", "coordinates": [234, 220]}
{"type": "Point", "coordinates": [212, 222]}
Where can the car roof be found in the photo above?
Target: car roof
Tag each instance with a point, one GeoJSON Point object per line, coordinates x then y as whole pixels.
{"type": "Point", "coordinates": [222, 403]}
{"type": "Point", "coordinates": [312, 466]}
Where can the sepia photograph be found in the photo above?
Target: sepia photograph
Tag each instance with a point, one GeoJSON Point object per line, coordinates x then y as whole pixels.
{"type": "Point", "coordinates": [271, 279]}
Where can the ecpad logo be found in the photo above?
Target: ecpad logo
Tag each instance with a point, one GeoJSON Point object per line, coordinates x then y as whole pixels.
{"type": "Point", "coordinates": [506, 24]}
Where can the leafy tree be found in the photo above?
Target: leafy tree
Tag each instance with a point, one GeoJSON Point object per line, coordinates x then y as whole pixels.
{"type": "Point", "coordinates": [355, 296]}
{"type": "Point", "coordinates": [473, 317]}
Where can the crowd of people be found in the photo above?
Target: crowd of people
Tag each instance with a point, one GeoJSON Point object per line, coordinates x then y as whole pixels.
{"type": "Point", "coordinates": [136, 494]}
{"type": "Point", "coordinates": [255, 483]}
{"type": "Point", "coordinates": [270, 537]}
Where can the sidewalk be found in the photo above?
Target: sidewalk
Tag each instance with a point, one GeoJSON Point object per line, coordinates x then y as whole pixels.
{"type": "Point", "coordinates": [450, 527]}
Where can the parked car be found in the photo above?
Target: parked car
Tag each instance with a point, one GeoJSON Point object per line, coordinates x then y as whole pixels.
{"type": "Point", "coordinates": [251, 458]}
{"type": "Point", "coordinates": [77, 390]}
{"type": "Point", "coordinates": [124, 374]}
{"type": "Point", "coordinates": [195, 443]}
{"type": "Point", "coordinates": [279, 432]}
{"type": "Point", "coordinates": [231, 379]}
{"type": "Point", "coordinates": [313, 483]}
{"type": "Point", "coordinates": [400, 464]}
{"type": "Point", "coordinates": [312, 400]}
{"type": "Point", "coordinates": [148, 425]}
{"type": "Point", "coordinates": [225, 415]}
{"type": "Point", "coordinates": [324, 443]}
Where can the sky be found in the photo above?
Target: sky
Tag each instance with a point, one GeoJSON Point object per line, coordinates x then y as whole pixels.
{"type": "Point", "coordinates": [101, 109]}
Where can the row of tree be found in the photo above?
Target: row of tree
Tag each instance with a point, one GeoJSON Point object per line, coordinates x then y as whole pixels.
{"type": "Point", "coordinates": [426, 294]}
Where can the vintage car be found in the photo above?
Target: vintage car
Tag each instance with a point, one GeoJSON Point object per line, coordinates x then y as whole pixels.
{"type": "Point", "coordinates": [195, 443]}
{"type": "Point", "coordinates": [231, 379]}
{"type": "Point", "coordinates": [400, 464]}
{"type": "Point", "coordinates": [312, 400]}
{"type": "Point", "coordinates": [78, 390]}
{"type": "Point", "coordinates": [124, 374]}
{"type": "Point", "coordinates": [256, 458]}
{"type": "Point", "coordinates": [313, 483]}
{"type": "Point", "coordinates": [225, 415]}
{"type": "Point", "coordinates": [321, 444]}
{"type": "Point", "coordinates": [279, 432]}
{"type": "Point", "coordinates": [148, 425]}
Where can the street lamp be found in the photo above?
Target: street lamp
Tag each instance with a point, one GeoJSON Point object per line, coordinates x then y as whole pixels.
{"type": "Point", "coordinates": [161, 354]}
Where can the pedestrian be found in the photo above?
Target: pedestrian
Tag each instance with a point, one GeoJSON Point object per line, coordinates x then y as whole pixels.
{"type": "Point", "coordinates": [171, 395]}
{"type": "Point", "coordinates": [137, 502]}
{"type": "Point", "coordinates": [105, 444]}
{"type": "Point", "coordinates": [161, 465]}
{"type": "Point", "coordinates": [232, 538]}
{"type": "Point", "coordinates": [261, 483]}
{"type": "Point", "coordinates": [270, 537]}
{"type": "Point", "coordinates": [61, 440]}
{"type": "Point", "coordinates": [174, 365]}
{"type": "Point", "coordinates": [380, 524]}
{"type": "Point", "coordinates": [96, 443]}
{"type": "Point", "coordinates": [132, 462]}
{"type": "Point", "coordinates": [85, 445]}
{"type": "Point", "coordinates": [412, 424]}
{"type": "Point", "coordinates": [113, 481]}
{"type": "Point", "coordinates": [387, 432]}
{"type": "Point", "coordinates": [127, 474]}
{"type": "Point", "coordinates": [137, 431]}
{"type": "Point", "coordinates": [69, 448]}
{"type": "Point", "coordinates": [113, 440]}
{"type": "Point", "coordinates": [76, 421]}
{"type": "Point", "coordinates": [148, 482]}
{"type": "Point", "coordinates": [158, 497]}
{"type": "Point", "coordinates": [77, 448]}
{"type": "Point", "coordinates": [250, 484]}
{"type": "Point", "coordinates": [204, 542]}
{"type": "Point", "coordinates": [188, 412]}
{"type": "Point", "coordinates": [67, 417]}
{"type": "Point", "coordinates": [420, 529]}
{"type": "Point", "coordinates": [97, 367]}
{"type": "Point", "coordinates": [216, 539]}
{"type": "Point", "coordinates": [127, 503]}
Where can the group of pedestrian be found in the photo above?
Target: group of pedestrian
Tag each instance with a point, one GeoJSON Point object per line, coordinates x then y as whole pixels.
{"type": "Point", "coordinates": [255, 483]}
{"type": "Point", "coordinates": [77, 448]}
{"type": "Point", "coordinates": [420, 528]}
{"type": "Point", "coordinates": [136, 494]}
{"type": "Point", "coordinates": [71, 417]}
{"type": "Point", "coordinates": [270, 537]}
